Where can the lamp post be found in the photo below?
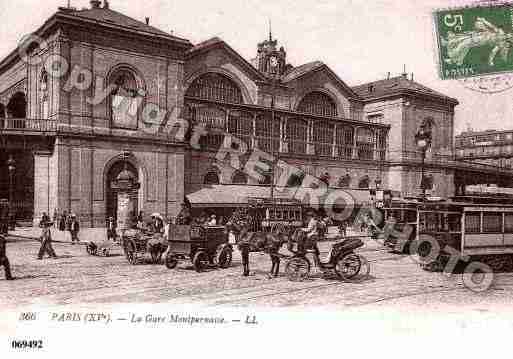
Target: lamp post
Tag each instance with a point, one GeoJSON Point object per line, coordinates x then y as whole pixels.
{"type": "Point", "coordinates": [423, 141]}
{"type": "Point", "coordinates": [11, 167]}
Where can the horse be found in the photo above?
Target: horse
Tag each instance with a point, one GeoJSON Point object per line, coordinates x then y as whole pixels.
{"type": "Point", "coordinates": [248, 242]}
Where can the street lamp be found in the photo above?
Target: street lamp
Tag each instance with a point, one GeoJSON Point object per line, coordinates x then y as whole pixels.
{"type": "Point", "coordinates": [423, 141]}
{"type": "Point", "coordinates": [11, 167]}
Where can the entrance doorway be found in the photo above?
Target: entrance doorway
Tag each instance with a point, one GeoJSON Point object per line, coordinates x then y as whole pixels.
{"type": "Point", "coordinates": [111, 209]}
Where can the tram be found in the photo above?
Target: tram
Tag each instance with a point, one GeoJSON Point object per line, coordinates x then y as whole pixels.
{"type": "Point", "coordinates": [472, 225]}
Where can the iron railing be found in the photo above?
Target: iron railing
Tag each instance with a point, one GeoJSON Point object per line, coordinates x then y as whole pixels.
{"type": "Point", "coordinates": [29, 125]}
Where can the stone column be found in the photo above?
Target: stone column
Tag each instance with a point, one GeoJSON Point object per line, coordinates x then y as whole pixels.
{"type": "Point", "coordinates": [355, 147]}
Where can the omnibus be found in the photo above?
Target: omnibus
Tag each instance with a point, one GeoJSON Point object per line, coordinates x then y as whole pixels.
{"type": "Point", "coordinates": [284, 213]}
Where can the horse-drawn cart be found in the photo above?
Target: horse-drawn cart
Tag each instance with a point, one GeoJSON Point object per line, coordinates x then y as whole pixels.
{"type": "Point", "coordinates": [203, 245]}
{"type": "Point", "coordinates": [137, 243]}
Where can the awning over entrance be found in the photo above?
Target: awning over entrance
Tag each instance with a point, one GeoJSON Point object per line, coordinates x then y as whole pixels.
{"type": "Point", "coordinates": [217, 196]}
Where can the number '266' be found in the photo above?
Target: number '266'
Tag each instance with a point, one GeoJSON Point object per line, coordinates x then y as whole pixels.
{"type": "Point", "coordinates": [454, 21]}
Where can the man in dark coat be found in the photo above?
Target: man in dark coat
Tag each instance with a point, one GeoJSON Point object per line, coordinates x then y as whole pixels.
{"type": "Point", "coordinates": [46, 239]}
{"type": "Point", "coordinates": [4, 261]}
{"type": "Point", "coordinates": [111, 229]}
{"type": "Point", "coordinates": [74, 228]}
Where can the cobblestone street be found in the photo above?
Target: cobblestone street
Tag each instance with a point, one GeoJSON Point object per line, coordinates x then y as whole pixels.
{"type": "Point", "coordinates": [78, 278]}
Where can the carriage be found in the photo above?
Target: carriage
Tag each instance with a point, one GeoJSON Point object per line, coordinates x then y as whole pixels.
{"type": "Point", "coordinates": [136, 243]}
{"type": "Point", "coordinates": [204, 245]}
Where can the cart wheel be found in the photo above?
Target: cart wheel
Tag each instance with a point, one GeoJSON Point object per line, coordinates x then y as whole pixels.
{"type": "Point", "coordinates": [224, 257]}
{"type": "Point", "coordinates": [131, 256]}
{"type": "Point", "coordinates": [348, 266]}
{"type": "Point", "coordinates": [297, 269]}
{"type": "Point", "coordinates": [106, 252]}
{"type": "Point", "coordinates": [200, 261]}
{"type": "Point", "coordinates": [171, 261]}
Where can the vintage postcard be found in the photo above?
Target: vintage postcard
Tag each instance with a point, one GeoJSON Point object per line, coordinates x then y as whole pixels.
{"type": "Point", "coordinates": [228, 177]}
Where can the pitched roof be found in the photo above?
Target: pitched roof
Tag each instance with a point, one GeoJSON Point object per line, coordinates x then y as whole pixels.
{"type": "Point", "coordinates": [395, 86]}
{"type": "Point", "coordinates": [301, 70]}
{"type": "Point", "coordinates": [217, 42]}
{"type": "Point", "coordinates": [112, 17]}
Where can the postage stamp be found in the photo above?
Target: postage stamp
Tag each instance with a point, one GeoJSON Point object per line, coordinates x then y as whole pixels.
{"type": "Point", "coordinates": [474, 41]}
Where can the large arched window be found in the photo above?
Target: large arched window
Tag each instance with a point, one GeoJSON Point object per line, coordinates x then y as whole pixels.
{"type": "Point", "coordinates": [323, 138]}
{"type": "Point", "coordinates": [265, 134]}
{"type": "Point", "coordinates": [126, 98]}
{"type": "Point", "coordinates": [318, 103]}
{"type": "Point", "coordinates": [297, 135]}
{"type": "Point", "coordinates": [344, 140]}
{"type": "Point", "coordinates": [365, 142]}
{"type": "Point", "coordinates": [211, 178]}
{"type": "Point", "coordinates": [215, 87]}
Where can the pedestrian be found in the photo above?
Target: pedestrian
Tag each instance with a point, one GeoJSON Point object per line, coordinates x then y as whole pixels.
{"type": "Point", "coordinates": [4, 261]}
{"type": "Point", "coordinates": [111, 229]}
{"type": "Point", "coordinates": [46, 239]}
{"type": "Point", "coordinates": [62, 221]}
{"type": "Point", "coordinates": [74, 228]}
{"type": "Point", "coordinates": [55, 218]}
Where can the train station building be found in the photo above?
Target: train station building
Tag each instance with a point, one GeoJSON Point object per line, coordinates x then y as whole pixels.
{"type": "Point", "coordinates": [68, 149]}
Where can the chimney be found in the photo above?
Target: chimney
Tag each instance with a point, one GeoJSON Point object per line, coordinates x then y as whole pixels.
{"type": "Point", "coordinates": [388, 75]}
{"type": "Point", "coordinates": [106, 4]}
{"type": "Point", "coordinates": [412, 76]}
{"type": "Point", "coordinates": [147, 21]}
{"type": "Point", "coordinates": [95, 4]}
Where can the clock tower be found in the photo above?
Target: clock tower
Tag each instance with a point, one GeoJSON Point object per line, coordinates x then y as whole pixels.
{"type": "Point", "coordinates": [270, 61]}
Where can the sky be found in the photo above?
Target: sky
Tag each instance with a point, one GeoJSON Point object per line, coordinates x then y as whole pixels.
{"type": "Point", "coordinates": [361, 41]}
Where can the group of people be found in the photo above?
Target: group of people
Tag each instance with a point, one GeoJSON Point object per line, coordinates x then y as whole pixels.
{"type": "Point", "coordinates": [65, 222]}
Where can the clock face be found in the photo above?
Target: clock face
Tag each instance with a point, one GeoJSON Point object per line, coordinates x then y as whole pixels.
{"type": "Point", "coordinates": [274, 61]}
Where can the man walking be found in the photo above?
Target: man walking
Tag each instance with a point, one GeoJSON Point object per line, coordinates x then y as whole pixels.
{"type": "Point", "coordinates": [46, 239]}
{"type": "Point", "coordinates": [4, 261]}
{"type": "Point", "coordinates": [74, 228]}
{"type": "Point", "coordinates": [111, 229]}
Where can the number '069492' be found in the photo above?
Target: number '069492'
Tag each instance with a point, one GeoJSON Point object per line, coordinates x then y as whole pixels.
{"type": "Point", "coordinates": [27, 344]}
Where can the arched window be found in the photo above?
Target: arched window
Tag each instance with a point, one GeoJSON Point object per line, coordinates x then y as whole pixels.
{"type": "Point", "coordinates": [318, 103]}
{"type": "Point", "coordinates": [365, 142]}
{"type": "Point", "coordinates": [344, 140]}
{"type": "Point", "coordinates": [297, 130]}
{"type": "Point", "coordinates": [266, 135]}
{"type": "Point", "coordinates": [43, 87]}
{"type": "Point", "coordinates": [364, 182]}
{"type": "Point", "coordinates": [17, 106]}
{"type": "Point", "coordinates": [126, 97]}
{"type": "Point", "coordinates": [211, 178]}
{"type": "Point", "coordinates": [239, 178]}
{"type": "Point", "coordinates": [240, 123]}
{"type": "Point", "coordinates": [323, 138]}
{"type": "Point", "coordinates": [344, 181]}
{"type": "Point", "coordinates": [215, 87]}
